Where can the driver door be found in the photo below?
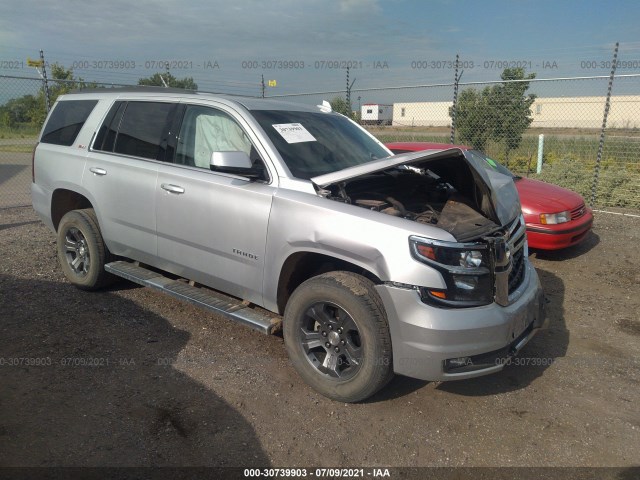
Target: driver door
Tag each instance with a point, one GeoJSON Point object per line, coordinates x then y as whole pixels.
{"type": "Point", "coordinates": [212, 226]}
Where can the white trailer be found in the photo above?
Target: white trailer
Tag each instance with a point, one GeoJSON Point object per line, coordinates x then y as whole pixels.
{"type": "Point", "coordinates": [376, 114]}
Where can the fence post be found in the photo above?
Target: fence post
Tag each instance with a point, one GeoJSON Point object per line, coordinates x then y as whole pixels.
{"type": "Point", "coordinates": [348, 95]}
{"type": "Point", "coordinates": [45, 81]}
{"type": "Point", "coordinates": [540, 152]}
{"type": "Point", "coordinates": [455, 102]}
{"type": "Point", "coordinates": [607, 104]}
{"type": "Point", "coordinates": [349, 87]}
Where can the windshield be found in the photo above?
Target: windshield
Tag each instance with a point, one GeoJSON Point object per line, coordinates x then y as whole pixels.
{"type": "Point", "coordinates": [489, 163]}
{"type": "Point", "coordinates": [313, 144]}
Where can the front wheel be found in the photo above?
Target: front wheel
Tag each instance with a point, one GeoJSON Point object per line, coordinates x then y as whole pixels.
{"type": "Point", "coordinates": [337, 336]}
{"type": "Point", "coordinates": [81, 250]}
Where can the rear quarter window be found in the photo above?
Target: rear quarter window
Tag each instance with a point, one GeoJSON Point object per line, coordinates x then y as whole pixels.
{"type": "Point", "coordinates": [66, 121]}
{"type": "Point", "coordinates": [106, 136]}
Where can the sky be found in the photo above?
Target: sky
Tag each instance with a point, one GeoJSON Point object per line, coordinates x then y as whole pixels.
{"type": "Point", "coordinates": [226, 46]}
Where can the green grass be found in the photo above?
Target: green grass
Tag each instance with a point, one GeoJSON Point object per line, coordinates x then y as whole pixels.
{"type": "Point", "coordinates": [17, 148]}
{"type": "Point", "coordinates": [26, 131]}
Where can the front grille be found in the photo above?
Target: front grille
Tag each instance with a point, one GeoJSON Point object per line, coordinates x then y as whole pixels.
{"type": "Point", "coordinates": [578, 212]}
{"type": "Point", "coordinates": [517, 240]}
{"type": "Point", "coordinates": [516, 275]}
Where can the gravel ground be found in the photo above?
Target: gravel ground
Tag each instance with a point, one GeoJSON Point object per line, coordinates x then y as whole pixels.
{"type": "Point", "coordinates": [129, 377]}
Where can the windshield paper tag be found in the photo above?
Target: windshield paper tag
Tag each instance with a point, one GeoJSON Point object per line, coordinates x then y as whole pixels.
{"type": "Point", "coordinates": [294, 133]}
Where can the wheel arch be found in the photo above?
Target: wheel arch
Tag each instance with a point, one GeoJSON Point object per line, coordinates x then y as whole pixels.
{"type": "Point", "coordinates": [63, 201]}
{"type": "Point", "coordinates": [303, 265]}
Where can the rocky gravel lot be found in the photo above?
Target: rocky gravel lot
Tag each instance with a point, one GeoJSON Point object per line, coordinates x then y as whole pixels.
{"type": "Point", "coordinates": [129, 377]}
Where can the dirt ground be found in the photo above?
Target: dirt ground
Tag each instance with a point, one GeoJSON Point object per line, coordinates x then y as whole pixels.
{"type": "Point", "coordinates": [129, 377]}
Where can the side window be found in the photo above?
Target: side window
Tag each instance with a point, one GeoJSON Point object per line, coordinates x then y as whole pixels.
{"type": "Point", "coordinates": [106, 137]}
{"type": "Point", "coordinates": [141, 129]}
{"type": "Point", "coordinates": [66, 120]}
{"type": "Point", "coordinates": [206, 130]}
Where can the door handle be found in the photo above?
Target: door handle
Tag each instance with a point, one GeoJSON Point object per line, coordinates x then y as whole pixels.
{"type": "Point", "coordinates": [172, 188]}
{"type": "Point", "coordinates": [98, 171]}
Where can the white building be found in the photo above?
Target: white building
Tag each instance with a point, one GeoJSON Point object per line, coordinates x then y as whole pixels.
{"type": "Point", "coordinates": [586, 112]}
{"type": "Point", "coordinates": [550, 112]}
{"type": "Point", "coordinates": [425, 114]}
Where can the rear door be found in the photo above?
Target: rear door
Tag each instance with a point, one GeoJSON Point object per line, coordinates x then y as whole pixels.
{"type": "Point", "coordinates": [121, 173]}
{"type": "Point", "coordinates": [212, 226]}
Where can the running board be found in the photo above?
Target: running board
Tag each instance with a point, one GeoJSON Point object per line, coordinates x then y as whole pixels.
{"type": "Point", "coordinates": [204, 298]}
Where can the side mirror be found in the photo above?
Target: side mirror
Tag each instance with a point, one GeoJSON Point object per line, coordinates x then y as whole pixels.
{"type": "Point", "coordinates": [230, 160]}
{"type": "Point", "coordinates": [235, 163]}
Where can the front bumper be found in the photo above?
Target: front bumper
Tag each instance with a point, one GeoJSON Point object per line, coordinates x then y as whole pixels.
{"type": "Point", "coordinates": [563, 235]}
{"type": "Point", "coordinates": [424, 337]}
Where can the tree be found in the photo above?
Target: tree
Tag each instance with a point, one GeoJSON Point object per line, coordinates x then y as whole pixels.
{"type": "Point", "coordinates": [62, 81]}
{"type": "Point", "coordinates": [32, 108]}
{"type": "Point", "coordinates": [500, 113]}
{"type": "Point", "coordinates": [6, 120]}
{"type": "Point", "coordinates": [514, 108]}
{"type": "Point", "coordinates": [340, 105]}
{"type": "Point", "coordinates": [155, 80]}
{"type": "Point", "coordinates": [18, 111]}
{"type": "Point", "coordinates": [473, 123]}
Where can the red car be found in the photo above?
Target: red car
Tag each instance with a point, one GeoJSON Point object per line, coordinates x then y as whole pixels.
{"type": "Point", "coordinates": [555, 217]}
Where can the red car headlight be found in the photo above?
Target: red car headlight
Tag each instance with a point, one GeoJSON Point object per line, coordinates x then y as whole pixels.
{"type": "Point", "coordinates": [555, 218]}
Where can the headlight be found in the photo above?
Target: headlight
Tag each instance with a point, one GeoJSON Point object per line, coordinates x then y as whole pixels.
{"type": "Point", "coordinates": [554, 218]}
{"type": "Point", "coordinates": [465, 268]}
{"type": "Point", "coordinates": [453, 255]}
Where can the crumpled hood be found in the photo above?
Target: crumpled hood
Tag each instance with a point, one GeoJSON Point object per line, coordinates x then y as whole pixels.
{"type": "Point", "coordinates": [498, 187]}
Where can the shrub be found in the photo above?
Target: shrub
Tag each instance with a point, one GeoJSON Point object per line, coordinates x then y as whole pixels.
{"type": "Point", "coordinates": [616, 182]}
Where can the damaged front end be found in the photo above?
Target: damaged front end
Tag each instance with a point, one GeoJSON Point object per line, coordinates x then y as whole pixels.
{"type": "Point", "coordinates": [490, 269]}
{"type": "Point", "coordinates": [455, 191]}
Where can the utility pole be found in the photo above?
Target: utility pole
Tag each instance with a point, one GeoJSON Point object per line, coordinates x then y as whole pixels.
{"type": "Point", "coordinates": [262, 85]}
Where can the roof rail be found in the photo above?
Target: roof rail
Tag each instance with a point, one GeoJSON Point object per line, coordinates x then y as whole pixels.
{"type": "Point", "coordinates": [136, 88]}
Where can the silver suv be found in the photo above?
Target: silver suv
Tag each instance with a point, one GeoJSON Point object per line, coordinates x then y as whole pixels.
{"type": "Point", "coordinates": [293, 217]}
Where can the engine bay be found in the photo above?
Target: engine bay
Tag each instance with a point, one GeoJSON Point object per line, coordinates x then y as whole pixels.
{"type": "Point", "coordinates": [445, 195]}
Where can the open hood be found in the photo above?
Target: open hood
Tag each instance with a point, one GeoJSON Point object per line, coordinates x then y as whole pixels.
{"type": "Point", "coordinates": [374, 166]}
{"type": "Point", "coordinates": [498, 189]}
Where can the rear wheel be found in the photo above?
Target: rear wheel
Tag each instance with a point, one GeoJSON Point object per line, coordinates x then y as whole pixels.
{"type": "Point", "coordinates": [337, 336]}
{"type": "Point", "coordinates": [81, 250]}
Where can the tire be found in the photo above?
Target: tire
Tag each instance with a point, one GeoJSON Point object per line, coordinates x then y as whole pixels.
{"type": "Point", "coordinates": [81, 250]}
{"type": "Point", "coordinates": [337, 336]}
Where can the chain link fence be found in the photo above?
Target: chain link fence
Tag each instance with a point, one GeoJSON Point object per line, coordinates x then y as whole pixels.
{"type": "Point", "coordinates": [17, 139]}
{"type": "Point", "coordinates": [23, 108]}
{"type": "Point", "coordinates": [560, 143]}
